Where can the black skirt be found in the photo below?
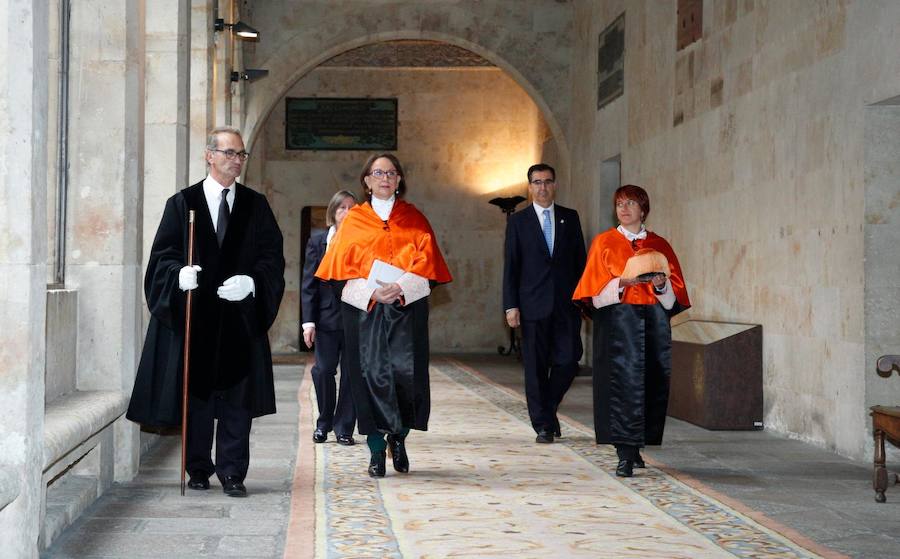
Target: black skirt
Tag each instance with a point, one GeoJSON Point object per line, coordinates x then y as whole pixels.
{"type": "Point", "coordinates": [632, 366]}
{"type": "Point", "coordinates": [386, 360]}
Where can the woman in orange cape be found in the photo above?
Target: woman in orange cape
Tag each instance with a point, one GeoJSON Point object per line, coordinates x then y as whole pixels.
{"type": "Point", "coordinates": [383, 261]}
{"type": "Point", "coordinates": [632, 334]}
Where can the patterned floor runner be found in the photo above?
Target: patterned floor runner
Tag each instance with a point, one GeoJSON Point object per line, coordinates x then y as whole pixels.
{"type": "Point", "coordinates": [479, 486]}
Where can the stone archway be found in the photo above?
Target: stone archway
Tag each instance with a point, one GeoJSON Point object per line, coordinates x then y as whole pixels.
{"type": "Point", "coordinates": [275, 170]}
{"type": "Point", "coordinates": [284, 75]}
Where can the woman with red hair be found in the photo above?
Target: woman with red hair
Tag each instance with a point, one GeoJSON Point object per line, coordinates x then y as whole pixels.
{"type": "Point", "coordinates": [634, 285]}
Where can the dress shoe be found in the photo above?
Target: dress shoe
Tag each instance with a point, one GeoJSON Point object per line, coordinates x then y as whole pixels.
{"type": "Point", "coordinates": [345, 440]}
{"type": "Point", "coordinates": [376, 464]}
{"type": "Point", "coordinates": [233, 487]}
{"type": "Point", "coordinates": [639, 462]}
{"type": "Point", "coordinates": [397, 447]}
{"type": "Point", "coordinates": [319, 436]}
{"type": "Point", "coordinates": [198, 481]}
{"type": "Point", "coordinates": [624, 469]}
{"type": "Point", "coordinates": [544, 437]}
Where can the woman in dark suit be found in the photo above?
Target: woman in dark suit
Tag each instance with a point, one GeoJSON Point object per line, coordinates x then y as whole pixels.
{"type": "Point", "coordinates": [322, 326]}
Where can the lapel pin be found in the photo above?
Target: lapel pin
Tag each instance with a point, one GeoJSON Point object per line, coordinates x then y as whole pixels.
{"type": "Point", "coordinates": [562, 220]}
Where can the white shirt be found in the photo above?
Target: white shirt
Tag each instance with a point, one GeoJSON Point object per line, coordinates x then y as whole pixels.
{"type": "Point", "coordinates": [540, 213]}
{"type": "Point", "coordinates": [642, 234]}
{"type": "Point", "coordinates": [330, 235]}
{"type": "Point", "coordinates": [383, 207]}
{"type": "Point", "coordinates": [212, 190]}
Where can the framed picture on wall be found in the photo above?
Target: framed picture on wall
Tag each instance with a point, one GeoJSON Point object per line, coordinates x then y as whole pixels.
{"type": "Point", "coordinates": [611, 63]}
{"type": "Point", "coordinates": [324, 123]}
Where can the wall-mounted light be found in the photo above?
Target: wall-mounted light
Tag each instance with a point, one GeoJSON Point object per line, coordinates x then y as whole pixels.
{"type": "Point", "coordinates": [250, 74]}
{"type": "Point", "coordinates": [240, 29]}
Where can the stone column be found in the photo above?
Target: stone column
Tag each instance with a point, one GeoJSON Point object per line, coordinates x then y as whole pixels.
{"type": "Point", "coordinates": [106, 146]}
{"type": "Point", "coordinates": [23, 266]}
{"type": "Point", "coordinates": [167, 112]}
{"type": "Point", "coordinates": [201, 103]}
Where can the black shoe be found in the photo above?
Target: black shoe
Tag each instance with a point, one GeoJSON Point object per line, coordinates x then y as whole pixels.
{"type": "Point", "coordinates": [319, 436]}
{"type": "Point", "coordinates": [233, 487]}
{"type": "Point", "coordinates": [639, 462]}
{"type": "Point", "coordinates": [397, 447]}
{"type": "Point", "coordinates": [198, 481]}
{"type": "Point", "coordinates": [345, 440]}
{"type": "Point", "coordinates": [376, 464]}
{"type": "Point", "coordinates": [544, 437]}
{"type": "Point", "coordinates": [624, 469]}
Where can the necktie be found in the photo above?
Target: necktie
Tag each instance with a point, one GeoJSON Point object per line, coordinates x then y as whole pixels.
{"type": "Point", "coordinates": [224, 213]}
{"type": "Point", "coordinates": [548, 231]}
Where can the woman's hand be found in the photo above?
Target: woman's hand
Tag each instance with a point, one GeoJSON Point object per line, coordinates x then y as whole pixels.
{"type": "Point", "coordinates": [659, 281]}
{"type": "Point", "coordinates": [628, 282]}
{"type": "Point", "coordinates": [388, 293]}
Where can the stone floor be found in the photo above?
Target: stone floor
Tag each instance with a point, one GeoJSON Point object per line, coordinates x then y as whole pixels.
{"type": "Point", "coordinates": [822, 496]}
{"type": "Point", "coordinates": [825, 497]}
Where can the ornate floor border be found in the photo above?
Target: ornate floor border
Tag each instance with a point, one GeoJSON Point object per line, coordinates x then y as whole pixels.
{"type": "Point", "coordinates": [728, 528]}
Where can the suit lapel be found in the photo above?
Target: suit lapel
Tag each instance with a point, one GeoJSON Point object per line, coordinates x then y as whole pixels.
{"type": "Point", "coordinates": [537, 228]}
{"type": "Point", "coordinates": [240, 215]}
{"type": "Point", "coordinates": [559, 229]}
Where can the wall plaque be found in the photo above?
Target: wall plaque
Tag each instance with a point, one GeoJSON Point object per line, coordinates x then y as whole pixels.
{"type": "Point", "coordinates": [321, 123]}
{"type": "Point", "coordinates": [611, 63]}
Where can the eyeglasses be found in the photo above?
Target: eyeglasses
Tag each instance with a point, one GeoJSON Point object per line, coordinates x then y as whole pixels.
{"type": "Point", "coordinates": [626, 204]}
{"type": "Point", "coordinates": [545, 182]}
{"type": "Point", "coordinates": [231, 154]}
{"type": "Point", "coordinates": [379, 174]}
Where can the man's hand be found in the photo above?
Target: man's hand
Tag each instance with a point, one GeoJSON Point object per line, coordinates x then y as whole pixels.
{"type": "Point", "coordinates": [387, 293]}
{"type": "Point", "coordinates": [309, 336]}
{"type": "Point", "coordinates": [236, 288]}
{"type": "Point", "coordinates": [513, 318]}
{"type": "Point", "coordinates": [187, 277]}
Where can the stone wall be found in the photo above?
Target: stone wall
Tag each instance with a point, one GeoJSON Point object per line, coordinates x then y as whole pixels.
{"type": "Point", "coordinates": [750, 142]}
{"type": "Point", "coordinates": [530, 40]}
{"type": "Point", "coordinates": [464, 137]}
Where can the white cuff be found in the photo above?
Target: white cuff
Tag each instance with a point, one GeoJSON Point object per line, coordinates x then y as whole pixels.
{"type": "Point", "coordinates": [414, 287]}
{"type": "Point", "coordinates": [667, 297]}
{"type": "Point", "coordinates": [357, 294]}
{"type": "Point", "coordinates": [609, 295]}
{"type": "Point", "coordinates": [307, 325]}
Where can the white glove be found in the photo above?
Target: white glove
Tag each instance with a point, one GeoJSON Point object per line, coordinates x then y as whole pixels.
{"type": "Point", "coordinates": [236, 288]}
{"type": "Point", "coordinates": [187, 277]}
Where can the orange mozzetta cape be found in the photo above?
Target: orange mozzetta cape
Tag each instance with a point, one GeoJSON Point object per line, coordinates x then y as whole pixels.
{"type": "Point", "coordinates": [606, 260]}
{"type": "Point", "coordinates": [405, 240]}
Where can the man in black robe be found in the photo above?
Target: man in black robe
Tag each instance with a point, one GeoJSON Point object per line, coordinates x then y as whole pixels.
{"type": "Point", "coordinates": [238, 281]}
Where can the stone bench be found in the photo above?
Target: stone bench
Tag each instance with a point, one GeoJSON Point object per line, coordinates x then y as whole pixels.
{"type": "Point", "coordinates": [72, 420]}
{"type": "Point", "coordinates": [9, 488]}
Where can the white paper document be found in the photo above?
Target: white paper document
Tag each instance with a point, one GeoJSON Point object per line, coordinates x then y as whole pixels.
{"type": "Point", "coordinates": [384, 272]}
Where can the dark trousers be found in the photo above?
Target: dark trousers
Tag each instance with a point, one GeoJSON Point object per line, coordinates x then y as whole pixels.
{"type": "Point", "coordinates": [551, 348]}
{"type": "Point", "coordinates": [336, 411]}
{"type": "Point", "coordinates": [232, 438]}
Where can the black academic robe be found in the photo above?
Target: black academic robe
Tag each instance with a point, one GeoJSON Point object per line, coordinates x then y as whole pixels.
{"type": "Point", "coordinates": [230, 351]}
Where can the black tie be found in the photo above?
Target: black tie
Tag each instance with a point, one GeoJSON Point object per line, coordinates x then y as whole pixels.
{"type": "Point", "coordinates": [222, 223]}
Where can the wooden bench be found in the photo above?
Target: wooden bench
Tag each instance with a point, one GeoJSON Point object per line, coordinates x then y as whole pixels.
{"type": "Point", "coordinates": [885, 425]}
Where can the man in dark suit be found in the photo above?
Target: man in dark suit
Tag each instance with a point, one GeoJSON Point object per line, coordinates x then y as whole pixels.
{"type": "Point", "coordinates": [322, 325]}
{"type": "Point", "coordinates": [237, 281]}
{"type": "Point", "coordinates": [544, 259]}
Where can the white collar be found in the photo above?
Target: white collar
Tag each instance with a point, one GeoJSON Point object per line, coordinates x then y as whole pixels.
{"type": "Point", "coordinates": [540, 210]}
{"type": "Point", "coordinates": [642, 234]}
{"type": "Point", "coordinates": [383, 207]}
{"type": "Point", "coordinates": [212, 183]}
{"type": "Point", "coordinates": [328, 236]}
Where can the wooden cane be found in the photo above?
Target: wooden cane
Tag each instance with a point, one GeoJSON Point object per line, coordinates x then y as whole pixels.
{"type": "Point", "coordinates": [187, 354]}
